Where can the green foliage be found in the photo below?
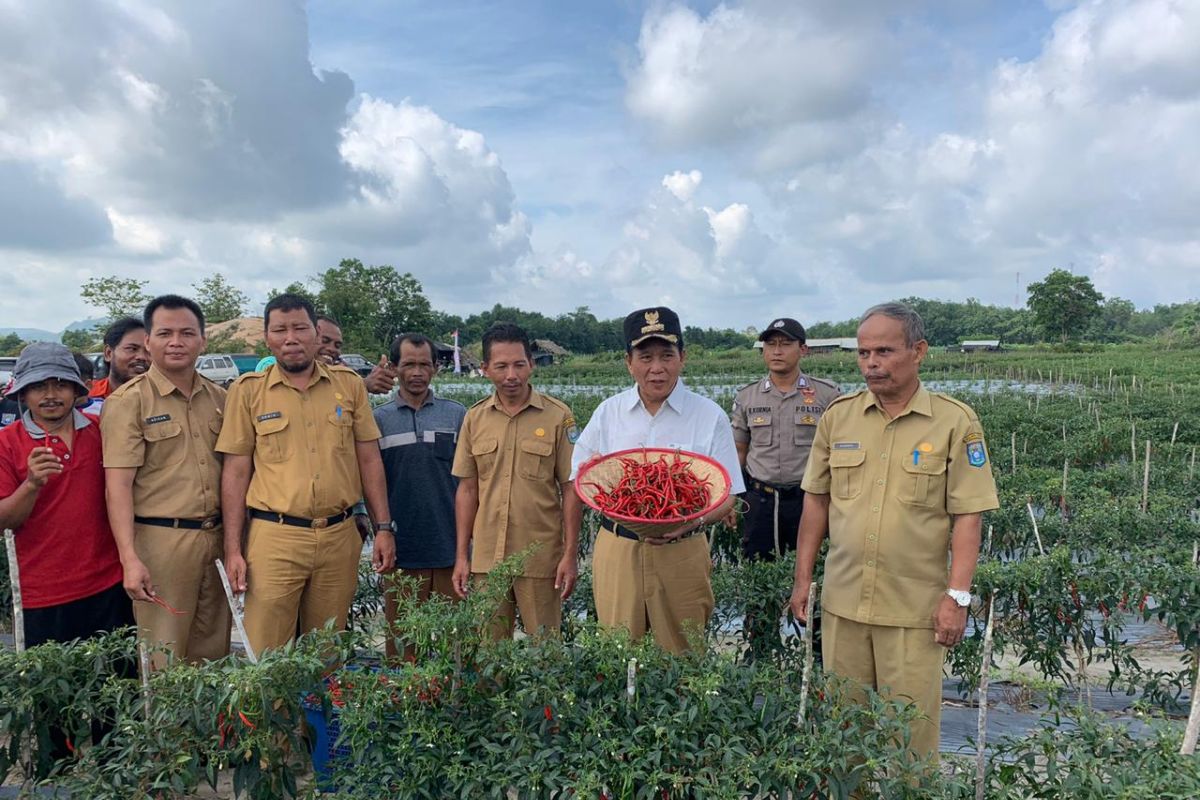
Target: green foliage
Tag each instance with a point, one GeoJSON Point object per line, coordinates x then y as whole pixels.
{"type": "Point", "coordinates": [219, 300]}
{"type": "Point", "coordinates": [82, 341]}
{"type": "Point", "coordinates": [373, 304]}
{"type": "Point", "coordinates": [11, 345]}
{"type": "Point", "coordinates": [118, 297]}
{"type": "Point", "coordinates": [1063, 304]}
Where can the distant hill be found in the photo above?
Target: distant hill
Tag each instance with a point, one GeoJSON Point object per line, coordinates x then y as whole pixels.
{"type": "Point", "coordinates": [41, 335]}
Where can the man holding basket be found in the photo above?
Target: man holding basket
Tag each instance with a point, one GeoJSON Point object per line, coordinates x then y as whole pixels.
{"type": "Point", "coordinates": [657, 582]}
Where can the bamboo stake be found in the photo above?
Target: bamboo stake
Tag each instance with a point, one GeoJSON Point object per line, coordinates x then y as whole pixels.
{"type": "Point", "coordinates": [808, 652]}
{"type": "Point", "coordinates": [1146, 481]}
{"type": "Point", "coordinates": [1133, 443]}
{"type": "Point", "coordinates": [631, 681]}
{"type": "Point", "coordinates": [1192, 466]}
{"type": "Point", "coordinates": [984, 680]}
{"type": "Point", "coordinates": [1014, 453]}
{"type": "Point", "coordinates": [1036, 534]}
{"type": "Point", "coordinates": [236, 611]}
{"type": "Point", "coordinates": [1192, 732]}
{"type": "Point", "coordinates": [14, 579]}
{"type": "Point", "coordinates": [1174, 433]}
{"type": "Point", "coordinates": [144, 663]}
{"type": "Point", "coordinates": [1063, 507]}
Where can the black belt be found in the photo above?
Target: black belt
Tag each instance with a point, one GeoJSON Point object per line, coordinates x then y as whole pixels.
{"type": "Point", "coordinates": [763, 487]}
{"type": "Point", "coordinates": [301, 522]}
{"type": "Point", "coordinates": [171, 522]}
{"type": "Point", "coordinates": [620, 530]}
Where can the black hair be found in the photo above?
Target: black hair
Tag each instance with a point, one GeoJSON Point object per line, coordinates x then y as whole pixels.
{"type": "Point", "coordinates": [289, 302]}
{"type": "Point", "coordinates": [329, 319]}
{"type": "Point", "coordinates": [416, 340]}
{"type": "Point", "coordinates": [171, 302]}
{"type": "Point", "coordinates": [115, 332]}
{"type": "Point", "coordinates": [505, 332]}
{"type": "Point", "coordinates": [87, 370]}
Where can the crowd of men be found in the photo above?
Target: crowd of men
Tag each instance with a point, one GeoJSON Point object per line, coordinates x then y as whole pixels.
{"type": "Point", "coordinates": [286, 475]}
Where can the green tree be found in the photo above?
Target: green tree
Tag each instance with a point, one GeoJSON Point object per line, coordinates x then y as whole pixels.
{"type": "Point", "coordinates": [119, 297]}
{"type": "Point", "coordinates": [296, 288]}
{"type": "Point", "coordinates": [81, 341]}
{"type": "Point", "coordinates": [372, 304]}
{"type": "Point", "coordinates": [219, 299]}
{"type": "Point", "coordinates": [1063, 304]}
{"type": "Point", "coordinates": [11, 345]}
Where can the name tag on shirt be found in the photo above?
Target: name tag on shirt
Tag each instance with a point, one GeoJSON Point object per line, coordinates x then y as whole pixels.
{"type": "Point", "coordinates": [158, 418]}
{"type": "Point", "coordinates": [272, 415]}
{"type": "Point", "coordinates": [845, 445]}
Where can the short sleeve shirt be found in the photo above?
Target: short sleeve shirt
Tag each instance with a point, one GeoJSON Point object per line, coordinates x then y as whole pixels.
{"type": "Point", "coordinates": [894, 486]}
{"type": "Point", "coordinates": [521, 463]}
{"type": "Point", "coordinates": [779, 426]}
{"type": "Point", "coordinates": [418, 452]}
{"type": "Point", "coordinates": [302, 440]}
{"type": "Point", "coordinates": [65, 548]}
{"type": "Point", "coordinates": [169, 438]}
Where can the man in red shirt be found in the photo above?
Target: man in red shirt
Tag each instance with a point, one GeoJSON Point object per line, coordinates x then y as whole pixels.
{"type": "Point", "coordinates": [52, 497]}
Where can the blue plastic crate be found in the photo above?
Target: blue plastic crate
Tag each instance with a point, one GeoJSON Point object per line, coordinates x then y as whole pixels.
{"type": "Point", "coordinates": [325, 749]}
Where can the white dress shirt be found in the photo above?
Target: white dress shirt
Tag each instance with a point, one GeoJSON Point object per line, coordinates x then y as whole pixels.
{"type": "Point", "coordinates": [686, 421]}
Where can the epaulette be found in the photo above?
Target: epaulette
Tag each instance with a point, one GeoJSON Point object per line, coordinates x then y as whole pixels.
{"type": "Point", "coordinates": [487, 398]}
{"type": "Point", "coordinates": [842, 398]}
{"type": "Point", "coordinates": [247, 377]}
{"type": "Point", "coordinates": [341, 368]}
{"type": "Point", "coordinates": [829, 383]}
{"type": "Point", "coordinates": [128, 385]}
{"type": "Point", "coordinates": [560, 404]}
{"type": "Point", "coordinates": [970, 412]}
{"type": "Point", "coordinates": [754, 382]}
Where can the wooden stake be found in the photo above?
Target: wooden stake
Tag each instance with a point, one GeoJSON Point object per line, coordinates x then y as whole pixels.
{"type": "Point", "coordinates": [1174, 433]}
{"type": "Point", "coordinates": [631, 681]}
{"type": "Point", "coordinates": [1014, 453]}
{"type": "Point", "coordinates": [1192, 466]}
{"type": "Point", "coordinates": [984, 679]}
{"type": "Point", "coordinates": [1133, 443]}
{"type": "Point", "coordinates": [806, 676]}
{"type": "Point", "coordinates": [1036, 535]}
{"type": "Point", "coordinates": [14, 579]}
{"type": "Point", "coordinates": [144, 659]}
{"type": "Point", "coordinates": [1146, 481]}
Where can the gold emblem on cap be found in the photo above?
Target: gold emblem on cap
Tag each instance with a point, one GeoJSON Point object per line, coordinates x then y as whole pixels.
{"type": "Point", "coordinates": [651, 317]}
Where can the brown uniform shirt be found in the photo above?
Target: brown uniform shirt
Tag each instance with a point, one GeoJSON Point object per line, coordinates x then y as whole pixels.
{"type": "Point", "coordinates": [520, 462]}
{"type": "Point", "coordinates": [894, 486]}
{"type": "Point", "coordinates": [302, 441]}
{"type": "Point", "coordinates": [780, 426]}
{"type": "Point", "coordinates": [169, 437]}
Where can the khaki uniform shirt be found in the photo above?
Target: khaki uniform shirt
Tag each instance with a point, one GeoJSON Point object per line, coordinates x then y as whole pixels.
{"type": "Point", "coordinates": [520, 462]}
{"type": "Point", "coordinates": [780, 426]}
{"type": "Point", "coordinates": [893, 486]}
{"type": "Point", "coordinates": [169, 437]}
{"type": "Point", "coordinates": [305, 462]}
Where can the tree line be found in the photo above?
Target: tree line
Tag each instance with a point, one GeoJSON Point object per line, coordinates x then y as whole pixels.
{"type": "Point", "coordinates": [374, 302]}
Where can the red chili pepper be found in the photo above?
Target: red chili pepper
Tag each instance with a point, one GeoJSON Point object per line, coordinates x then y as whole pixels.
{"type": "Point", "coordinates": [664, 489]}
{"type": "Point", "coordinates": [548, 712]}
{"type": "Point", "coordinates": [70, 747]}
{"type": "Point", "coordinates": [160, 602]}
{"type": "Point", "coordinates": [246, 720]}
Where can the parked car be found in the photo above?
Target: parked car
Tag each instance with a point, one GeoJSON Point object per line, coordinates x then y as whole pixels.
{"type": "Point", "coordinates": [220, 369]}
{"type": "Point", "coordinates": [99, 365]}
{"type": "Point", "coordinates": [7, 363]}
{"type": "Point", "coordinates": [246, 362]}
{"type": "Point", "coordinates": [357, 363]}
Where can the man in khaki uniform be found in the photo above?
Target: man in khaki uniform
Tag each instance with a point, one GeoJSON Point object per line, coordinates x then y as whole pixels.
{"type": "Point", "coordinates": [301, 448]}
{"type": "Point", "coordinates": [774, 421]}
{"type": "Point", "coordinates": [513, 464]}
{"type": "Point", "coordinates": [899, 477]}
{"type": "Point", "coordinates": [163, 485]}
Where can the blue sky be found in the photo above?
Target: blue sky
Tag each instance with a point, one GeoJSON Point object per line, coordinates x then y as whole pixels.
{"type": "Point", "coordinates": [739, 160]}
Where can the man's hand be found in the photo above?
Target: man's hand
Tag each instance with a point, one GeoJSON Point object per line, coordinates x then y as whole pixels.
{"type": "Point", "coordinates": [382, 377]}
{"type": "Point", "coordinates": [566, 575]}
{"type": "Point", "coordinates": [42, 463]}
{"type": "Point", "coordinates": [949, 622]}
{"type": "Point", "coordinates": [731, 519]}
{"type": "Point", "coordinates": [460, 576]}
{"type": "Point", "coordinates": [383, 553]}
{"type": "Point", "coordinates": [799, 602]}
{"type": "Point", "coordinates": [137, 581]}
{"type": "Point", "coordinates": [235, 568]}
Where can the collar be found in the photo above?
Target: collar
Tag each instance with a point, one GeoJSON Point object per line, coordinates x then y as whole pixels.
{"type": "Point", "coordinates": [919, 403]}
{"type": "Point", "coordinates": [320, 371]}
{"type": "Point", "coordinates": [674, 401]}
{"type": "Point", "coordinates": [35, 431]}
{"type": "Point", "coordinates": [163, 384]}
{"type": "Point", "coordinates": [535, 400]}
{"type": "Point", "coordinates": [429, 399]}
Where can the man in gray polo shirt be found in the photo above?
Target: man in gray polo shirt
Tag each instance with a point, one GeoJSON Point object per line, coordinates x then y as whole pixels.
{"type": "Point", "coordinates": [419, 435]}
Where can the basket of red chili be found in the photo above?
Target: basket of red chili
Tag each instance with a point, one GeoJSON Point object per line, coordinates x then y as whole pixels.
{"type": "Point", "coordinates": [652, 491]}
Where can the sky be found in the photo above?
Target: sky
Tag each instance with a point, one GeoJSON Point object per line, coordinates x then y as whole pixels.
{"type": "Point", "coordinates": [738, 161]}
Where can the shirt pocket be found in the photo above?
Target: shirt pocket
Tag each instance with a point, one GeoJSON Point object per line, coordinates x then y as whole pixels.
{"type": "Point", "coordinates": [484, 454]}
{"type": "Point", "coordinates": [212, 432]}
{"type": "Point", "coordinates": [924, 482]}
{"type": "Point", "coordinates": [536, 461]}
{"type": "Point", "coordinates": [846, 472]}
{"type": "Point", "coordinates": [443, 445]}
{"type": "Point", "coordinates": [760, 429]}
{"type": "Point", "coordinates": [165, 444]}
{"type": "Point", "coordinates": [806, 427]}
{"type": "Point", "coordinates": [342, 426]}
{"type": "Point", "coordinates": [271, 441]}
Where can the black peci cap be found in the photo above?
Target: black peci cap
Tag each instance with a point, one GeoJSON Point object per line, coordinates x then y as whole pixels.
{"type": "Point", "coordinates": [648, 323]}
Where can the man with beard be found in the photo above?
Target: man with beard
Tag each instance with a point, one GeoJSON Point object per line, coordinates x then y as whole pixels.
{"type": "Point", "coordinates": [419, 432]}
{"type": "Point", "coordinates": [329, 339]}
{"type": "Point", "coordinates": [301, 447]}
{"type": "Point", "coordinates": [124, 353]}
{"type": "Point", "coordinates": [163, 483]}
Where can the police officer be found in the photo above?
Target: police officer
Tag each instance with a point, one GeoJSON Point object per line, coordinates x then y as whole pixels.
{"type": "Point", "coordinates": [774, 420]}
{"type": "Point", "coordinates": [657, 583]}
{"type": "Point", "coordinates": [899, 477]}
{"type": "Point", "coordinates": [301, 447]}
{"type": "Point", "coordinates": [163, 484]}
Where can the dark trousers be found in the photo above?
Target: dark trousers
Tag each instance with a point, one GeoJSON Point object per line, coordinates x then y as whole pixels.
{"type": "Point", "coordinates": [759, 530]}
{"type": "Point", "coordinates": [80, 619]}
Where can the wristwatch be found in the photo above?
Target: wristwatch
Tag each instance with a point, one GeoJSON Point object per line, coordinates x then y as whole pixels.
{"type": "Point", "coordinates": [963, 599]}
{"type": "Point", "coordinates": [389, 526]}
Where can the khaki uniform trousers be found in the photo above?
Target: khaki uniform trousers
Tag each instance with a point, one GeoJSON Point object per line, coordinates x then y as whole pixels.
{"type": "Point", "coordinates": [538, 602]}
{"type": "Point", "coordinates": [292, 573]}
{"type": "Point", "coordinates": [901, 663]}
{"type": "Point", "coordinates": [430, 581]}
{"type": "Point", "coordinates": [662, 588]}
{"type": "Point", "coordinates": [182, 568]}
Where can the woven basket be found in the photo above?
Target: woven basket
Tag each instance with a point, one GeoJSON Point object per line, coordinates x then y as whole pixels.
{"type": "Point", "coordinates": [604, 472]}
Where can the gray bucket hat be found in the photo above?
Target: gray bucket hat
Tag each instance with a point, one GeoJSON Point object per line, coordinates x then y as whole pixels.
{"type": "Point", "coordinates": [41, 361]}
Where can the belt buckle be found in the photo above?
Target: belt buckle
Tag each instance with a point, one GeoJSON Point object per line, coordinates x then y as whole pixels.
{"type": "Point", "coordinates": [320, 523]}
{"type": "Point", "coordinates": [208, 524]}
